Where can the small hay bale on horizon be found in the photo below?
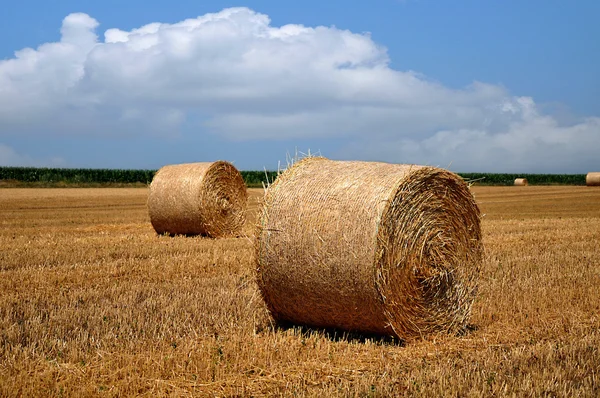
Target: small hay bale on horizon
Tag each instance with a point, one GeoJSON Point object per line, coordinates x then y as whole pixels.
{"type": "Point", "coordinates": [208, 198]}
{"type": "Point", "coordinates": [369, 247]}
{"type": "Point", "coordinates": [592, 179]}
{"type": "Point", "coordinates": [521, 182]}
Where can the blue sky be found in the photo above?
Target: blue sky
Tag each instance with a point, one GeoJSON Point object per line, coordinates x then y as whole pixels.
{"type": "Point", "coordinates": [491, 86]}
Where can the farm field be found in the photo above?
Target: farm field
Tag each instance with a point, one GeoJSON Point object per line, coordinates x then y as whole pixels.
{"type": "Point", "coordinates": [94, 302]}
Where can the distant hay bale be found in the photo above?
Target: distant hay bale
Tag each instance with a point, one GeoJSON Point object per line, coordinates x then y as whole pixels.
{"type": "Point", "coordinates": [521, 182]}
{"type": "Point", "coordinates": [370, 247]}
{"type": "Point", "coordinates": [198, 199]}
{"type": "Point", "coordinates": [593, 179]}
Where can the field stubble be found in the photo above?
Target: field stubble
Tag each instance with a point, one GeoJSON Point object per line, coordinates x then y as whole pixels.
{"type": "Point", "coordinates": [92, 301]}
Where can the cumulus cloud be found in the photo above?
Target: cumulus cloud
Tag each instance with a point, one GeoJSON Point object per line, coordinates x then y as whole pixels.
{"type": "Point", "coordinates": [234, 75]}
{"type": "Point", "coordinates": [529, 142]}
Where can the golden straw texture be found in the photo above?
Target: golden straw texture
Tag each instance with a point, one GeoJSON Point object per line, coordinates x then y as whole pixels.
{"type": "Point", "coordinates": [198, 199]}
{"type": "Point", "coordinates": [593, 179]}
{"type": "Point", "coordinates": [371, 247]}
{"type": "Point", "coordinates": [521, 182]}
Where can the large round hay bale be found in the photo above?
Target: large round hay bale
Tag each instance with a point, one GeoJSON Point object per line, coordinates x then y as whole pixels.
{"type": "Point", "coordinates": [370, 247]}
{"type": "Point", "coordinates": [521, 182]}
{"type": "Point", "coordinates": [198, 199]}
{"type": "Point", "coordinates": [592, 179]}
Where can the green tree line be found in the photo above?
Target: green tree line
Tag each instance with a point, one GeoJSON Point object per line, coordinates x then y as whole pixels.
{"type": "Point", "coordinates": [106, 176]}
{"type": "Point", "coordinates": [252, 178]}
{"type": "Point", "coordinates": [532, 179]}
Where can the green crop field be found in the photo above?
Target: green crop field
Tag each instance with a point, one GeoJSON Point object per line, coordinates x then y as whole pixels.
{"type": "Point", "coordinates": [51, 176]}
{"type": "Point", "coordinates": [32, 176]}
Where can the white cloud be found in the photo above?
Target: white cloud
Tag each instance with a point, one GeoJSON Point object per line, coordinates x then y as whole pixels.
{"type": "Point", "coordinates": [9, 157]}
{"type": "Point", "coordinates": [536, 146]}
{"type": "Point", "coordinates": [248, 80]}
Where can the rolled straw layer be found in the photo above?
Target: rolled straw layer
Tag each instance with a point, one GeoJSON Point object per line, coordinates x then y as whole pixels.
{"type": "Point", "coordinates": [370, 247]}
{"type": "Point", "coordinates": [592, 179]}
{"type": "Point", "coordinates": [521, 182]}
{"type": "Point", "coordinates": [198, 199]}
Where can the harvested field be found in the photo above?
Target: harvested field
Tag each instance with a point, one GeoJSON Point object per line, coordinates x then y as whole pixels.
{"type": "Point", "coordinates": [93, 301]}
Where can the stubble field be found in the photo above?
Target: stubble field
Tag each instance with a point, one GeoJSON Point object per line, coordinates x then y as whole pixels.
{"type": "Point", "coordinates": [93, 302]}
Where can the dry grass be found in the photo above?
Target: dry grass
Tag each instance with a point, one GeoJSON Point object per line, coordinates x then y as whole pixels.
{"type": "Point", "coordinates": [93, 302]}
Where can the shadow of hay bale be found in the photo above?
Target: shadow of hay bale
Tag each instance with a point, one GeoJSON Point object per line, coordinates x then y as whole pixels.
{"type": "Point", "coordinates": [338, 335]}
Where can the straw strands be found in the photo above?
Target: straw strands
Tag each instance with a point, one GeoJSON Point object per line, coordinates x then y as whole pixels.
{"type": "Point", "coordinates": [592, 179]}
{"type": "Point", "coordinates": [371, 247]}
{"type": "Point", "coordinates": [198, 199]}
{"type": "Point", "coordinates": [521, 182]}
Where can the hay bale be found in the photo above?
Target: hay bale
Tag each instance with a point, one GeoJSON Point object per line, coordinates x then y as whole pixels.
{"type": "Point", "coordinates": [592, 179]}
{"type": "Point", "coordinates": [521, 182]}
{"type": "Point", "coordinates": [198, 199]}
{"type": "Point", "coordinates": [371, 247]}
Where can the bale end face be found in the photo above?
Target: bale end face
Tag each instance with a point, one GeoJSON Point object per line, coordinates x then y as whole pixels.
{"type": "Point", "coordinates": [430, 252]}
